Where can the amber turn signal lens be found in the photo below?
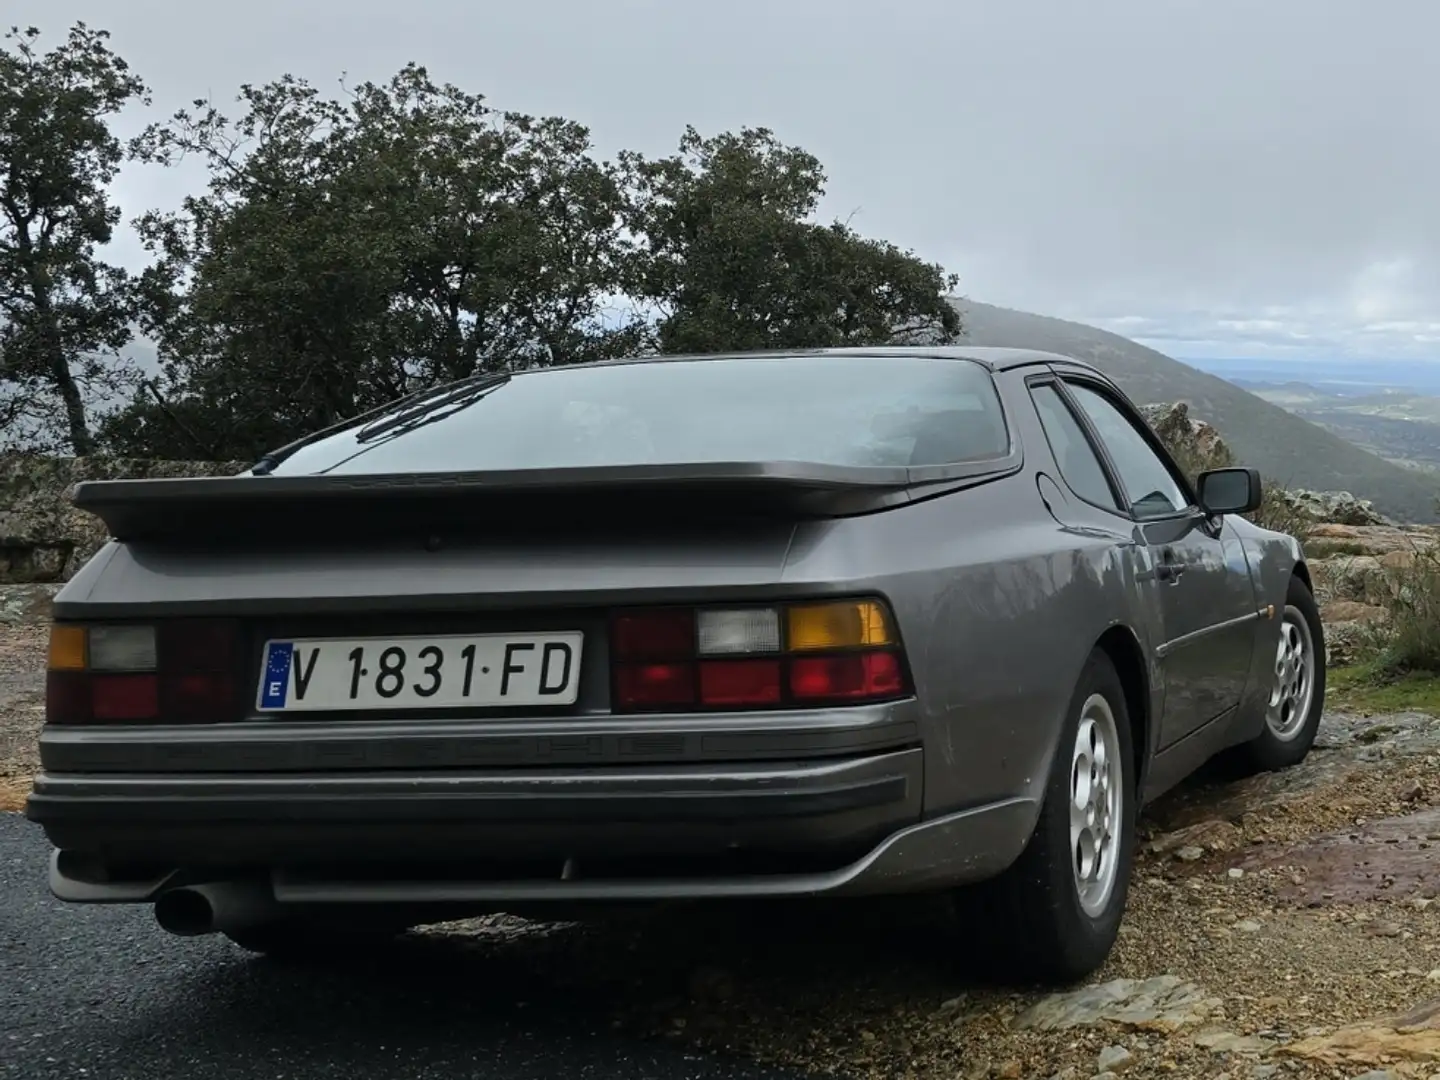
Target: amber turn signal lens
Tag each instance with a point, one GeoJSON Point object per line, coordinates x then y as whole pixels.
{"type": "Point", "coordinates": [849, 624]}
{"type": "Point", "coordinates": [67, 648]}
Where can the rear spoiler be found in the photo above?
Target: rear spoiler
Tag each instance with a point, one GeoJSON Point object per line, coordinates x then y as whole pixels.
{"type": "Point", "coordinates": [361, 506]}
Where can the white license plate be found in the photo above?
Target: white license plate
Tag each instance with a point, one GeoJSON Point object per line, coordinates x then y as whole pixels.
{"type": "Point", "coordinates": [304, 674]}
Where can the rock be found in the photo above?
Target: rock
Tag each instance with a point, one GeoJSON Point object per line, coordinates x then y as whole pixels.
{"type": "Point", "coordinates": [1248, 926]}
{"type": "Point", "coordinates": [1190, 853]}
{"type": "Point", "coordinates": [1162, 1003]}
{"type": "Point", "coordinates": [1412, 1037]}
{"type": "Point", "coordinates": [22, 605]}
{"type": "Point", "coordinates": [1333, 507]}
{"type": "Point", "coordinates": [1227, 1042]}
{"type": "Point", "coordinates": [1115, 1059]}
{"type": "Point", "coordinates": [1210, 835]}
{"type": "Point", "coordinates": [1346, 611]}
{"type": "Point", "coordinates": [1195, 444]}
{"type": "Point", "coordinates": [1360, 864]}
{"type": "Point", "coordinates": [1235, 873]}
{"type": "Point", "coordinates": [43, 537]}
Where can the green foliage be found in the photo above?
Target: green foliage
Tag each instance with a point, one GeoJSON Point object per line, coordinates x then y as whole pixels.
{"type": "Point", "coordinates": [63, 312]}
{"type": "Point", "coordinates": [347, 252]}
{"type": "Point", "coordinates": [1370, 688]}
{"type": "Point", "coordinates": [731, 259]}
{"type": "Point", "coordinates": [1411, 641]}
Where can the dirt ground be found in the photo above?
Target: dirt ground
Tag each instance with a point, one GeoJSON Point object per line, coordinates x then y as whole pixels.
{"type": "Point", "coordinates": [1281, 926]}
{"type": "Point", "coordinates": [22, 708]}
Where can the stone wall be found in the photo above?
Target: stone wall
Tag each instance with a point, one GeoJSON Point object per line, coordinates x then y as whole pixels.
{"type": "Point", "coordinates": [43, 538]}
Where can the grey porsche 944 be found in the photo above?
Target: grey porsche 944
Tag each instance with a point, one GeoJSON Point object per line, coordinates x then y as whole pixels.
{"type": "Point", "coordinates": [837, 623]}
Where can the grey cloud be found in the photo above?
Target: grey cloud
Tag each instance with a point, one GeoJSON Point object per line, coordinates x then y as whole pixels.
{"type": "Point", "coordinates": [1238, 174]}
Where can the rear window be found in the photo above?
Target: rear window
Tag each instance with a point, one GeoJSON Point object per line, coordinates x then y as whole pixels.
{"type": "Point", "coordinates": [833, 410]}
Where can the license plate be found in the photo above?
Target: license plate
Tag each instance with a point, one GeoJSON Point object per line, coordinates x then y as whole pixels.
{"type": "Point", "coordinates": [304, 674]}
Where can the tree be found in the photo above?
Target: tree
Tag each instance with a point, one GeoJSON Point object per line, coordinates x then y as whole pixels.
{"type": "Point", "coordinates": [348, 252]}
{"type": "Point", "coordinates": [731, 260]}
{"type": "Point", "coordinates": [64, 313]}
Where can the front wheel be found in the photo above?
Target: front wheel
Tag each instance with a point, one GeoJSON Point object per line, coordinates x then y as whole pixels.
{"type": "Point", "coordinates": [1297, 688]}
{"type": "Point", "coordinates": [1054, 915]}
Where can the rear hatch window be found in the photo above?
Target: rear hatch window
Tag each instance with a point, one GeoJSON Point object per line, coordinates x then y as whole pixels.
{"type": "Point", "coordinates": [831, 410]}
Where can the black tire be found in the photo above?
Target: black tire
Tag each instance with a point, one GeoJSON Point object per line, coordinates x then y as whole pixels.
{"type": "Point", "coordinates": [1269, 751]}
{"type": "Point", "coordinates": [301, 941]}
{"type": "Point", "coordinates": [1032, 927]}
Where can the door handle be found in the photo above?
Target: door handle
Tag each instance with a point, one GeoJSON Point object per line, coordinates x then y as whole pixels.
{"type": "Point", "coordinates": [1170, 568]}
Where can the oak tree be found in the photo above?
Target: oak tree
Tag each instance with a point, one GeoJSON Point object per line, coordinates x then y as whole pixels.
{"type": "Point", "coordinates": [64, 312]}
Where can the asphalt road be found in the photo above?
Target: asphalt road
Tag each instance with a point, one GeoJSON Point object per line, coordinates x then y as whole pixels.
{"type": "Point", "coordinates": [102, 993]}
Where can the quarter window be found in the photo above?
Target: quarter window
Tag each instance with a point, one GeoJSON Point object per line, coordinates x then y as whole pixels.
{"type": "Point", "coordinates": [1074, 455]}
{"type": "Point", "coordinates": [1149, 484]}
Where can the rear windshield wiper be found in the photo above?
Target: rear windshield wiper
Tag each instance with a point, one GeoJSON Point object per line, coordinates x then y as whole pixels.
{"type": "Point", "coordinates": [410, 406]}
{"type": "Point", "coordinates": [434, 405]}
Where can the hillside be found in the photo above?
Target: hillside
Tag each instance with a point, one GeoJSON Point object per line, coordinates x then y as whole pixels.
{"type": "Point", "coordinates": [1290, 450]}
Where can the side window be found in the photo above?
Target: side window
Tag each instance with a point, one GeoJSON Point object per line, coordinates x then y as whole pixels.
{"type": "Point", "coordinates": [1147, 480]}
{"type": "Point", "coordinates": [1073, 453]}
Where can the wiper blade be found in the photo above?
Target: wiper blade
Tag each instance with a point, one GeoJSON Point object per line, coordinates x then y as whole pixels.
{"type": "Point", "coordinates": [428, 407]}
{"type": "Point", "coordinates": [270, 459]}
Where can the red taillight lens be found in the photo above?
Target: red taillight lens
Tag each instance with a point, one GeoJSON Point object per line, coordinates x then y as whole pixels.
{"type": "Point", "coordinates": [67, 698]}
{"type": "Point", "coordinates": [842, 651]}
{"type": "Point", "coordinates": [654, 686]}
{"type": "Point", "coordinates": [663, 634]}
{"type": "Point", "coordinates": [838, 678]}
{"type": "Point", "coordinates": [184, 672]}
{"type": "Point", "coordinates": [740, 682]}
{"type": "Point", "coordinates": [125, 697]}
{"type": "Point", "coordinates": [203, 697]}
{"type": "Point", "coordinates": [197, 645]}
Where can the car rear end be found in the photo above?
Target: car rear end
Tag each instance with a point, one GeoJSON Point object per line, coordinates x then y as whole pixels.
{"type": "Point", "coordinates": [406, 688]}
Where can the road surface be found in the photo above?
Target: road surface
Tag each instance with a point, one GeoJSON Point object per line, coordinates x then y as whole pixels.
{"type": "Point", "coordinates": [103, 994]}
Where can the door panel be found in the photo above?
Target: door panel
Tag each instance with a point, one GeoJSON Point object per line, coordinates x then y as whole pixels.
{"type": "Point", "coordinates": [1207, 604]}
{"type": "Point", "coordinates": [1198, 571]}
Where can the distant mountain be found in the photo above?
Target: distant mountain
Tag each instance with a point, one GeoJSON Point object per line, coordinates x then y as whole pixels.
{"type": "Point", "coordinates": [1291, 451]}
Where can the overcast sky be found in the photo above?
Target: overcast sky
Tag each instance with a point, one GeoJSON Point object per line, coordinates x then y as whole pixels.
{"type": "Point", "coordinates": [1216, 178]}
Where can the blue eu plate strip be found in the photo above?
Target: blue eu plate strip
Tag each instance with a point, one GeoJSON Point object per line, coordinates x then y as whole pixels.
{"type": "Point", "coordinates": [277, 675]}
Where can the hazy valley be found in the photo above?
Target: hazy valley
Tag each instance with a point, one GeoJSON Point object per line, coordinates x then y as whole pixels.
{"type": "Point", "coordinates": [1390, 408]}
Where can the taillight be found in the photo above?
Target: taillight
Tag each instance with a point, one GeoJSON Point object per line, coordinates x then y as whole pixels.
{"type": "Point", "coordinates": [180, 672]}
{"type": "Point", "coordinates": [788, 655]}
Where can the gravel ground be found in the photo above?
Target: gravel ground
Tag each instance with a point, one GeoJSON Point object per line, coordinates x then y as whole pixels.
{"type": "Point", "coordinates": [1281, 908]}
{"type": "Point", "coordinates": [22, 707]}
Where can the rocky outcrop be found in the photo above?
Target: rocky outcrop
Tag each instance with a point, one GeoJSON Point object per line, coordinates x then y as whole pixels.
{"type": "Point", "coordinates": [43, 538]}
{"type": "Point", "coordinates": [1333, 507]}
{"type": "Point", "coordinates": [1195, 444]}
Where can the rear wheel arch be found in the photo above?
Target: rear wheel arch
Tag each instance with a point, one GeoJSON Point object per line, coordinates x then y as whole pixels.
{"type": "Point", "coordinates": [1120, 644]}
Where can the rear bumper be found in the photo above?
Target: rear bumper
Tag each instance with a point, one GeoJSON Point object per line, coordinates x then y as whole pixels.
{"type": "Point", "coordinates": [843, 826]}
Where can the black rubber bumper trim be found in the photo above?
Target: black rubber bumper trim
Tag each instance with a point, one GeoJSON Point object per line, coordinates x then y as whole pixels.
{"type": "Point", "coordinates": [271, 806]}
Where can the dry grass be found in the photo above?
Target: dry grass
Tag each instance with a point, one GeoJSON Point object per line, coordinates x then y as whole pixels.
{"type": "Point", "coordinates": [13, 794]}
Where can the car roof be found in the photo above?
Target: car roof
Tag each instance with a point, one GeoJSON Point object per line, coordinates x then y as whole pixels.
{"type": "Point", "coordinates": [993, 358]}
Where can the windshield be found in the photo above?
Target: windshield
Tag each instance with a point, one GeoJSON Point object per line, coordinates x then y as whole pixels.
{"type": "Point", "coordinates": [833, 410]}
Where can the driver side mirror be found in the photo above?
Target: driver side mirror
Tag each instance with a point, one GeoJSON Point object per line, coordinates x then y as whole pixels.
{"type": "Point", "coordinates": [1230, 491]}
